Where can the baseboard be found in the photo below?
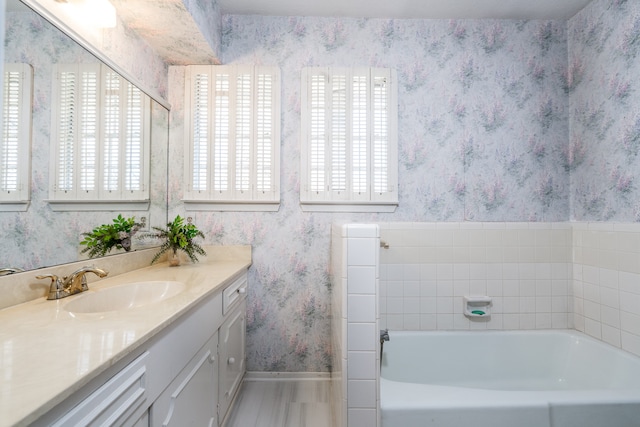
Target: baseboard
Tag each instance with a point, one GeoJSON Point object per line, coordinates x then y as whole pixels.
{"type": "Point", "coordinates": [287, 376]}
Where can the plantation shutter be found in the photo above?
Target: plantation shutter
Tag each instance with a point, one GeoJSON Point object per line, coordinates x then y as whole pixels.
{"type": "Point", "coordinates": [15, 146]}
{"type": "Point", "coordinates": [233, 132]}
{"type": "Point", "coordinates": [101, 134]}
{"type": "Point", "coordinates": [349, 141]}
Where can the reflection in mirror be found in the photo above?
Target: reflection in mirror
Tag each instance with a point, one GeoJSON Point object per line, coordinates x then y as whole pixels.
{"type": "Point", "coordinates": [39, 236]}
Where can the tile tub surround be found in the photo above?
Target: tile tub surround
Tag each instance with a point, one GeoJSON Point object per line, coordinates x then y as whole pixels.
{"type": "Point", "coordinates": [86, 347]}
{"type": "Point", "coordinates": [429, 267]}
{"type": "Point", "coordinates": [355, 324]}
{"type": "Point", "coordinates": [606, 282]}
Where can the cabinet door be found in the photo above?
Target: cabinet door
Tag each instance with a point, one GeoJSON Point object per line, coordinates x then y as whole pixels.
{"type": "Point", "coordinates": [191, 399]}
{"type": "Point", "coordinates": [232, 356]}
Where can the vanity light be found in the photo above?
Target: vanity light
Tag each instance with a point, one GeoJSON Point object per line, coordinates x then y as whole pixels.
{"type": "Point", "coordinates": [92, 13]}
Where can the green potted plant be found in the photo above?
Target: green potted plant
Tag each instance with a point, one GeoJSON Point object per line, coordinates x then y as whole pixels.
{"type": "Point", "coordinates": [178, 236]}
{"type": "Point", "coordinates": [102, 239]}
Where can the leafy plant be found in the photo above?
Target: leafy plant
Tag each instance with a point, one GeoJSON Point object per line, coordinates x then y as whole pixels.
{"type": "Point", "coordinates": [178, 235]}
{"type": "Point", "coordinates": [102, 239]}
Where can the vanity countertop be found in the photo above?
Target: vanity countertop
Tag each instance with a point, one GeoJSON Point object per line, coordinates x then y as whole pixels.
{"type": "Point", "coordinates": [47, 353]}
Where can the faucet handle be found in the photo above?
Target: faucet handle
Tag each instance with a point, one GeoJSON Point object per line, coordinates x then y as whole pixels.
{"type": "Point", "coordinates": [56, 290]}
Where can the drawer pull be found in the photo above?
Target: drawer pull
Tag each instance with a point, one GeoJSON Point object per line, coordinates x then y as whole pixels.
{"type": "Point", "coordinates": [231, 361]}
{"type": "Point", "coordinates": [241, 291]}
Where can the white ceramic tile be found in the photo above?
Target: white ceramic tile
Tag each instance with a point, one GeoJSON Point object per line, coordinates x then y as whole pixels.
{"type": "Point", "coordinates": [428, 288]}
{"type": "Point", "coordinates": [411, 322]}
{"type": "Point", "coordinates": [591, 310]}
{"type": "Point", "coordinates": [527, 321]}
{"type": "Point", "coordinates": [362, 337]}
{"type": "Point", "coordinates": [361, 251]}
{"type": "Point", "coordinates": [411, 272]}
{"type": "Point", "coordinates": [593, 328]}
{"type": "Point", "coordinates": [543, 304]}
{"type": "Point", "coordinates": [395, 322]}
{"type": "Point", "coordinates": [543, 320]}
{"type": "Point", "coordinates": [395, 305]}
{"type": "Point", "coordinates": [362, 365]}
{"type": "Point", "coordinates": [630, 342]}
{"type": "Point", "coordinates": [411, 288]}
{"type": "Point", "coordinates": [630, 302]}
{"type": "Point", "coordinates": [444, 321]}
{"type": "Point", "coordinates": [395, 288]}
{"type": "Point", "coordinates": [629, 282]}
{"type": "Point", "coordinates": [630, 322]}
{"type": "Point", "coordinates": [428, 322]}
{"type": "Point", "coordinates": [361, 279]}
{"type": "Point", "coordinates": [428, 272]}
{"type": "Point", "coordinates": [411, 305]}
{"type": "Point", "coordinates": [559, 320]}
{"type": "Point", "coordinates": [444, 288]}
{"type": "Point", "coordinates": [362, 230]}
{"type": "Point", "coordinates": [362, 308]}
{"type": "Point", "coordinates": [611, 335]}
{"type": "Point", "coordinates": [362, 417]}
{"type": "Point", "coordinates": [361, 393]}
{"type": "Point", "coordinates": [610, 316]}
{"type": "Point", "coordinates": [610, 297]}
{"type": "Point", "coordinates": [444, 305]}
{"type": "Point", "coordinates": [444, 272]}
{"type": "Point", "coordinates": [428, 305]}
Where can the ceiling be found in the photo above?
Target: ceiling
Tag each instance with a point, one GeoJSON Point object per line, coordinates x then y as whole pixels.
{"type": "Point", "coordinates": [421, 9]}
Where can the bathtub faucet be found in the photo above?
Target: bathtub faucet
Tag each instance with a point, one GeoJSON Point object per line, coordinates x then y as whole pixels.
{"type": "Point", "coordinates": [384, 335]}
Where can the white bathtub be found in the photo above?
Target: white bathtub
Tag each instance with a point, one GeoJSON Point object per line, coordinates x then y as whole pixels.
{"type": "Point", "coordinates": [507, 379]}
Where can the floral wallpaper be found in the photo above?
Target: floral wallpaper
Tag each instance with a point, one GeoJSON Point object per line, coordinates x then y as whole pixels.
{"type": "Point", "coordinates": [40, 237]}
{"type": "Point", "coordinates": [483, 125]}
{"type": "Point", "coordinates": [603, 152]}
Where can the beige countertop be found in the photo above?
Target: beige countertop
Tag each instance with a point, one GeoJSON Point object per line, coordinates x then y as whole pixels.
{"type": "Point", "coordinates": [47, 353]}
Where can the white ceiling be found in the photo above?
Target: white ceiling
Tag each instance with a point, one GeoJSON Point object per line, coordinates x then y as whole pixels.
{"type": "Point", "coordinates": [422, 9]}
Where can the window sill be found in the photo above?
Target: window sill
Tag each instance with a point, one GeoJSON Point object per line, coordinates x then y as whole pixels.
{"type": "Point", "coordinates": [98, 205]}
{"type": "Point", "coordinates": [348, 207]}
{"type": "Point", "coordinates": [14, 206]}
{"type": "Point", "coordinates": [231, 206]}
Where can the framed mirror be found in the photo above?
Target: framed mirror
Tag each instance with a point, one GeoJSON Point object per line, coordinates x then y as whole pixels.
{"type": "Point", "coordinates": [41, 236]}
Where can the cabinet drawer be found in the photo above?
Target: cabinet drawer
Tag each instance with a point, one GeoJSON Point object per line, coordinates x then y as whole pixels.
{"type": "Point", "coordinates": [234, 293]}
{"type": "Point", "coordinates": [119, 402]}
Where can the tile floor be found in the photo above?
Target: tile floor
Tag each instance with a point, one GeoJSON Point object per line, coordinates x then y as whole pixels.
{"type": "Point", "coordinates": [282, 403]}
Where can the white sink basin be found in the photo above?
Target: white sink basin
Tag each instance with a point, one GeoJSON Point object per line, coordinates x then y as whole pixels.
{"type": "Point", "coordinates": [123, 297]}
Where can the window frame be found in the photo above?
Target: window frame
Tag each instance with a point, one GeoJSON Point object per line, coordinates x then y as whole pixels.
{"type": "Point", "coordinates": [334, 119]}
{"type": "Point", "coordinates": [91, 116]}
{"type": "Point", "coordinates": [230, 113]}
{"type": "Point", "coordinates": [19, 198]}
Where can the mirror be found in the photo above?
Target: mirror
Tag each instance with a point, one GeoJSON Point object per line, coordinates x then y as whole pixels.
{"type": "Point", "coordinates": [41, 237]}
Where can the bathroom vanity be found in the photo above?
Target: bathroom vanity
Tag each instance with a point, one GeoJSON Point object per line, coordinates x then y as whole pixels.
{"type": "Point", "coordinates": [176, 360]}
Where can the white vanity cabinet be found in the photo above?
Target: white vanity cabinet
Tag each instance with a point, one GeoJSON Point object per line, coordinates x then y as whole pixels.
{"type": "Point", "coordinates": [232, 356]}
{"type": "Point", "coordinates": [192, 397]}
{"type": "Point", "coordinates": [187, 375]}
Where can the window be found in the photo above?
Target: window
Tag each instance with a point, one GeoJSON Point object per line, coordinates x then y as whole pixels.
{"type": "Point", "coordinates": [232, 122]}
{"type": "Point", "coordinates": [15, 146]}
{"type": "Point", "coordinates": [100, 137]}
{"type": "Point", "coordinates": [349, 140]}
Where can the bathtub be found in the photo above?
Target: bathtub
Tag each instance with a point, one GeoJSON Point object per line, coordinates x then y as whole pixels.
{"type": "Point", "coordinates": [507, 379]}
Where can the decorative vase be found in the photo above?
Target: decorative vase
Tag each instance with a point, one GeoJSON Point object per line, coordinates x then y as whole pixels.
{"type": "Point", "coordinates": [174, 259]}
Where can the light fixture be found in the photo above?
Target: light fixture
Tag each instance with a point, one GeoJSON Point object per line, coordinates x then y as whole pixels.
{"type": "Point", "coordinates": [90, 13]}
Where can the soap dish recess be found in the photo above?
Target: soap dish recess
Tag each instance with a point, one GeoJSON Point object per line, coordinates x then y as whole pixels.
{"type": "Point", "coordinates": [477, 306]}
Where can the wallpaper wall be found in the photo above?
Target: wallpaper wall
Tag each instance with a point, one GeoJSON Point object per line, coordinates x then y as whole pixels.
{"type": "Point", "coordinates": [483, 126]}
{"type": "Point", "coordinates": [604, 146]}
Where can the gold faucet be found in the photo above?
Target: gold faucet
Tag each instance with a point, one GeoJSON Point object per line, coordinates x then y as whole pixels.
{"type": "Point", "coordinates": [72, 284]}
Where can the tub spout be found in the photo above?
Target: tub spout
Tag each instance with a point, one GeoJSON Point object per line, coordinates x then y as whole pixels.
{"type": "Point", "coordinates": [384, 335]}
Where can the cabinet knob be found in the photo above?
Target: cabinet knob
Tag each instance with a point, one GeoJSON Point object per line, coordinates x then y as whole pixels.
{"type": "Point", "coordinates": [231, 360]}
{"type": "Point", "coordinates": [242, 291]}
